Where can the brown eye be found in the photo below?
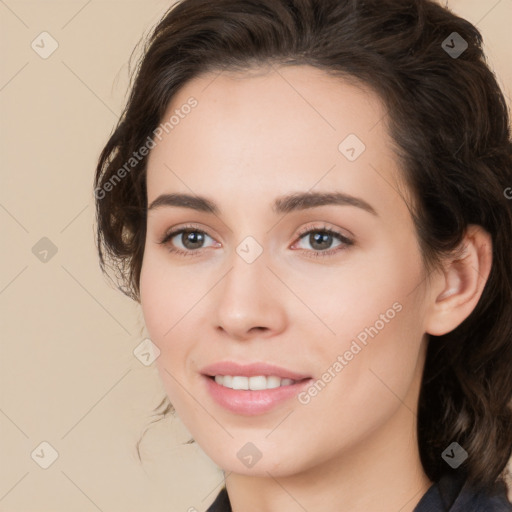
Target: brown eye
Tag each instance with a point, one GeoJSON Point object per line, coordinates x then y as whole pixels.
{"type": "Point", "coordinates": [192, 239]}
{"type": "Point", "coordinates": [322, 241]}
{"type": "Point", "coordinates": [187, 241]}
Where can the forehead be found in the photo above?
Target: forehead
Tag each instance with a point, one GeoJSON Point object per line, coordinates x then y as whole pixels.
{"type": "Point", "coordinates": [280, 101]}
{"type": "Point", "coordinates": [282, 127]}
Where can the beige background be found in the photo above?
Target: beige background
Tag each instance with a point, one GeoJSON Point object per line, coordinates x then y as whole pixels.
{"type": "Point", "coordinates": [68, 375]}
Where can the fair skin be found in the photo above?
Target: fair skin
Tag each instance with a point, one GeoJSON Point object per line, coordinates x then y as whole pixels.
{"type": "Point", "coordinates": [252, 138]}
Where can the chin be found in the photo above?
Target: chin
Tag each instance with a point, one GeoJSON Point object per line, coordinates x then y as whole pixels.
{"type": "Point", "coordinates": [279, 464]}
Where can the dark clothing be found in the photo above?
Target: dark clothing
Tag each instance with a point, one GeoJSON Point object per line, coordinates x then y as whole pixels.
{"type": "Point", "coordinates": [449, 494]}
{"type": "Point", "coordinates": [452, 494]}
{"type": "Point", "coordinates": [221, 503]}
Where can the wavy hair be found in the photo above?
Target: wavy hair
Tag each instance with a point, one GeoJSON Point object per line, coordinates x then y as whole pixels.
{"type": "Point", "coordinates": [450, 125]}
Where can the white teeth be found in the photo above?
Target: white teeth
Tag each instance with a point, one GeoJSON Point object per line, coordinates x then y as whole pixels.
{"type": "Point", "coordinates": [273, 382]}
{"type": "Point", "coordinates": [240, 382]}
{"type": "Point", "coordinates": [256, 383]}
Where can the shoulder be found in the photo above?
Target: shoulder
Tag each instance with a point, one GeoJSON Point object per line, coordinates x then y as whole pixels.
{"type": "Point", "coordinates": [495, 501]}
{"type": "Point", "coordinates": [452, 493]}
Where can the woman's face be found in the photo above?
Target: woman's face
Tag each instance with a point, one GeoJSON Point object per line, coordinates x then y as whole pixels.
{"type": "Point", "coordinates": [329, 288]}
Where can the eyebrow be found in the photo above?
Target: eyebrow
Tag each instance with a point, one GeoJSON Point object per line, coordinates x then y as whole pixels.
{"type": "Point", "coordinates": [283, 204]}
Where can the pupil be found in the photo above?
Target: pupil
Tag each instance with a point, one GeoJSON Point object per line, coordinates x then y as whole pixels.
{"type": "Point", "coordinates": [319, 239]}
{"type": "Point", "coordinates": [192, 239]}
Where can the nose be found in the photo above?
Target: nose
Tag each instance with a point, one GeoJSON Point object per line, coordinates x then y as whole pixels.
{"type": "Point", "coordinates": [249, 301]}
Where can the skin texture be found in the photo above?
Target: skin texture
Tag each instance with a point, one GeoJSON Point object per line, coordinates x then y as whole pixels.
{"type": "Point", "coordinates": [253, 137]}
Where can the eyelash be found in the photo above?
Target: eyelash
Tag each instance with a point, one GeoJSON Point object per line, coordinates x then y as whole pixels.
{"type": "Point", "coordinates": [302, 233]}
{"type": "Point", "coordinates": [345, 241]}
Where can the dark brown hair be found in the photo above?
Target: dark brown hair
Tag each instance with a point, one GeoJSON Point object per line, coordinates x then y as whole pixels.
{"type": "Point", "coordinates": [449, 122]}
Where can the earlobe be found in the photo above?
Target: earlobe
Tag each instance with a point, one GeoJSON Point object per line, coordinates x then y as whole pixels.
{"type": "Point", "coordinates": [459, 285]}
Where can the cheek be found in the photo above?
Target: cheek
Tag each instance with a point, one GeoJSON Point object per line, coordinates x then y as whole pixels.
{"type": "Point", "coordinates": [172, 303]}
{"type": "Point", "coordinates": [167, 294]}
{"type": "Point", "coordinates": [351, 299]}
{"type": "Point", "coordinates": [162, 307]}
{"type": "Point", "coordinates": [154, 300]}
{"type": "Point", "coordinates": [376, 312]}
{"type": "Point", "coordinates": [368, 373]}
{"type": "Point", "coordinates": [163, 304]}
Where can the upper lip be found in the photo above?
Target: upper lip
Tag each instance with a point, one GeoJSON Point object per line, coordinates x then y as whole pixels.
{"type": "Point", "coordinates": [250, 370]}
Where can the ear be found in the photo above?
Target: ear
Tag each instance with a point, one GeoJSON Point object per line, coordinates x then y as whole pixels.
{"type": "Point", "coordinates": [458, 286]}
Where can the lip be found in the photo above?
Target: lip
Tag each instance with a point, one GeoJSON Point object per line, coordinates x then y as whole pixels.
{"type": "Point", "coordinates": [251, 370]}
{"type": "Point", "coordinates": [249, 402]}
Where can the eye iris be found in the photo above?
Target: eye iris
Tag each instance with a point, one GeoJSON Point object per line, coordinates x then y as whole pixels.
{"type": "Point", "coordinates": [319, 240]}
{"type": "Point", "coordinates": [192, 239]}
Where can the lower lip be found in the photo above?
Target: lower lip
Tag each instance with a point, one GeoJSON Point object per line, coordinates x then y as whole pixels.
{"type": "Point", "coordinates": [249, 402]}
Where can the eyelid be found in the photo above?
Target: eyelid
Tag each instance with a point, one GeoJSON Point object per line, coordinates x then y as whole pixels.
{"type": "Point", "coordinates": [345, 240]}
{"type": "Point", "coordinates": [175, 230]}
{"type": "Point", "coordinates": [325, 226]}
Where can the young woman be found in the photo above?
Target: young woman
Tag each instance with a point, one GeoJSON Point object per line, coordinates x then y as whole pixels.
{"type": "Point", "coordinates": [311, 201]}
